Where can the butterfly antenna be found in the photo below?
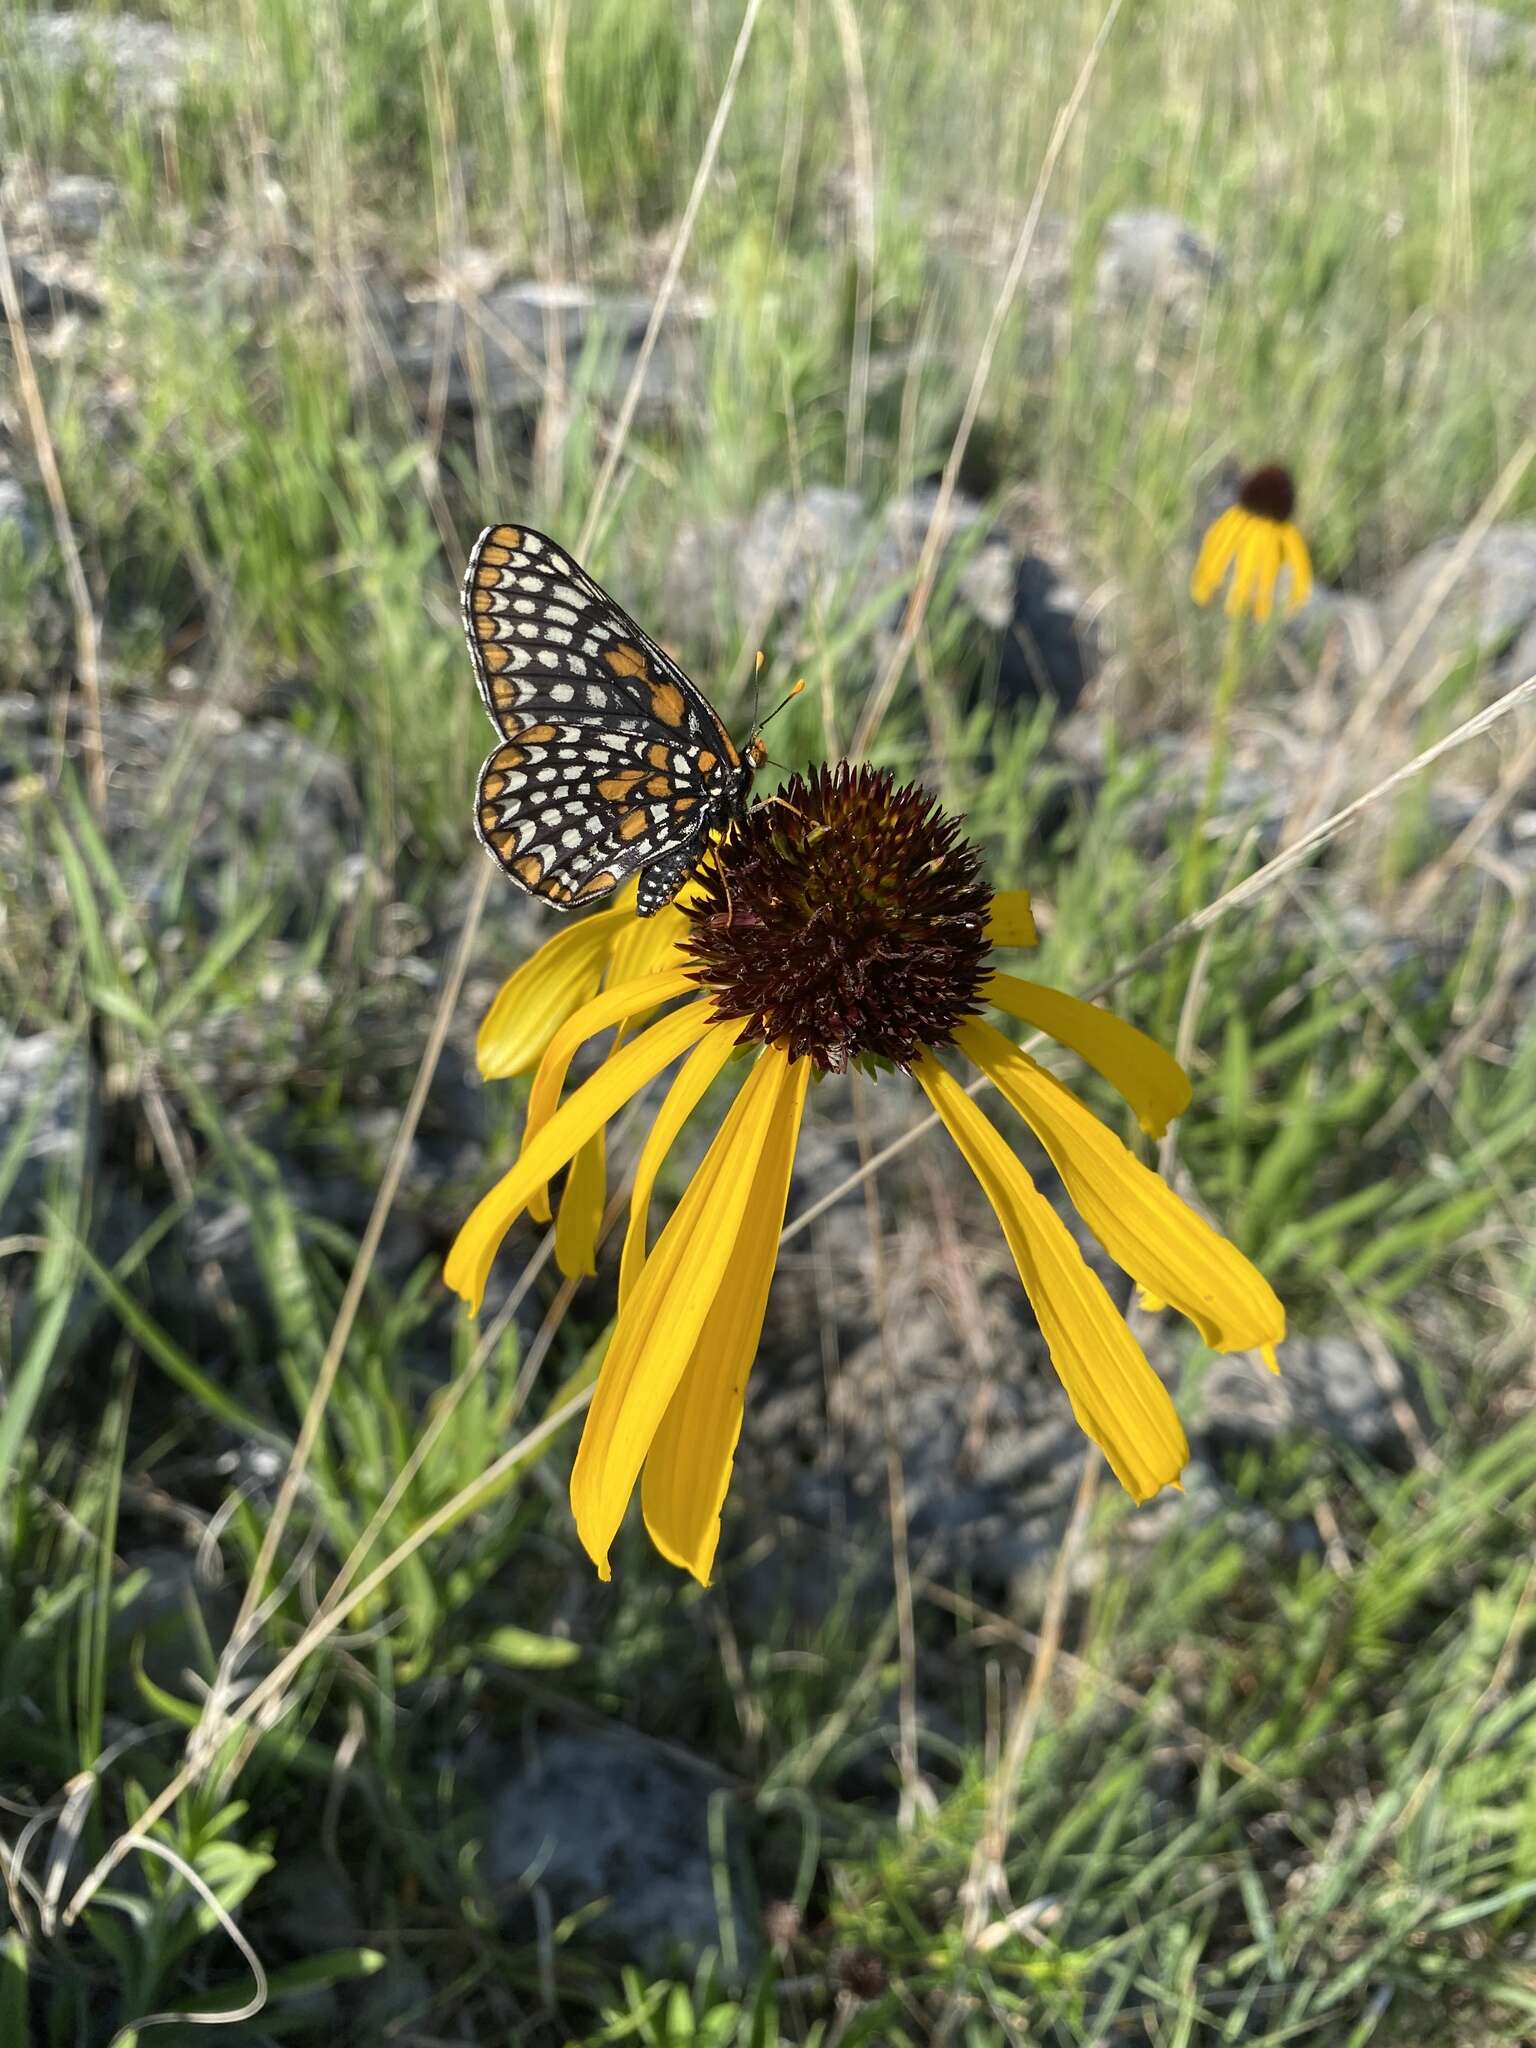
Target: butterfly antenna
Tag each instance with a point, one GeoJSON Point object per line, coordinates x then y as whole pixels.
{"type": "Point", "coordinates": [773, 714]}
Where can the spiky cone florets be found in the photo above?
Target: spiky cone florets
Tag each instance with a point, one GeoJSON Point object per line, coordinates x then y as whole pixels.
{"type": "Point", "coordinates": [845, 919]}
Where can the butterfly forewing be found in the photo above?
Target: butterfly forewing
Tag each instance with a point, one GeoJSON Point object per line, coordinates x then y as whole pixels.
{"type": "Point", "coordinates": [611, 759]}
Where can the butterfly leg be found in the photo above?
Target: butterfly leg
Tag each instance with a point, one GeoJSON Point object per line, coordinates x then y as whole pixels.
{"type": "Point", "coordinates": [784, 803]}
{"type": "Point", "coordinates": [725, 883]}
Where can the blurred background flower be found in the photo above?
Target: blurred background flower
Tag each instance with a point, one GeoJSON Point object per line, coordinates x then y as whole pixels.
{"type": "Point", "coordinates": [1258, 541]}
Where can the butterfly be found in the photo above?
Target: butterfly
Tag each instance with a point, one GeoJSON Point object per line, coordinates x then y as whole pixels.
{"type": "Point", "coordinates": [611, 759]}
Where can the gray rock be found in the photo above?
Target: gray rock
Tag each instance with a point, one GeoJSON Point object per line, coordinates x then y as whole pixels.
{"type": "Point", "coordinates": [1148, 255]}
{"type": "Point", "coordinates": [1340, 630]}
{"type": "Point", "coordinates": [1327, 1385]}
{"type": "Point", "coordinates": [1035, 641]}
{"type": "Point", "coordinates": [797, 566]}
{"type": "Point", "coordinates": [69, 207]}
{"type": "Point", "coordinates": [698, 592]}
{"type": "Point", "coordinates": [147, 62]}
{"type": "Point", "coordinates": [43, 1095]}
{"type": "Point", "coordinates": [984, 236]}
{"type": "Point", "coordinates": [254, 795]}
{"type": "Point", "coordinates": [48, 293]}
{"type": "Point", "coordinates": [797, 557]}
{"type": "Point", "coordinates": [257, 798]}
{"type": "Point", "coordinates": [444, 341]}
{"type": "Point", "coordinates": [1489, 612]}
{"type": "Point", "coordinates": [1486, 37]}
{"type": "Point", "coordinates": [272, 781]}
{"type": "Point", "coordinates": [612, 1817]}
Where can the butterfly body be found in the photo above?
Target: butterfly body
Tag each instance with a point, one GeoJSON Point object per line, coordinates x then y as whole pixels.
{"type": "Point", "coordinates": [610, 760]}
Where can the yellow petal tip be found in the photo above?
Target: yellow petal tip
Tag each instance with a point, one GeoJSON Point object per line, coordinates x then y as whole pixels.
{"type": "Point", "coordinates": [467, 1293]}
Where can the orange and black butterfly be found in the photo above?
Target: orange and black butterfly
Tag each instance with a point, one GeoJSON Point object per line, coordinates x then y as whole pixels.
{"type": "Point", "coordinates": [611, 759]}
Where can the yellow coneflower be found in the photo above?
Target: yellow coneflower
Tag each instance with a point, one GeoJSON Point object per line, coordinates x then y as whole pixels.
{"type": "Point", "coordinates": [1255, 539]}
{"type": "Point", "coordinates": [845, 922]}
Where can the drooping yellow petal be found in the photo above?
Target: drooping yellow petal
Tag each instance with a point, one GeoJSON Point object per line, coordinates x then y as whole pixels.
{"type": "Point", "coordinates": [1118, 1399]}
{"type": "Point", "coordinates": [1151, 1080]}
{"type": "Point", "coordinates": [647, 944]}
{"type": "Point", "coordinates": [694, 1079]}
{"type": "Point", "coordinates": [659, 1329]}
{"type": "Point", "coordinates": [580, 1215]}
{"type": "Point", "coordinates": [1299, 563]}
{"type": "Point", "coordinates": [1148, 1232]}
{"type": "Point", "coordinates": [1011, 921]}
{"type": "Point", "coordinates": [616, 1005]}
{"type": "Point", "coordinates": [582, 1200]}
{"type": "Point", "coordinates": [688, 1471]}
{"type": "Point", "coordinates": [1250, 556]}
{"type": "Point", "coordinates": [533, 1003]}
{"type": "Point", "coordinates": [1267, 574]}
{"type": "Point", "coordinates": [1216, 552]}
{"type": "Point", "coordinates": [620, 1076]}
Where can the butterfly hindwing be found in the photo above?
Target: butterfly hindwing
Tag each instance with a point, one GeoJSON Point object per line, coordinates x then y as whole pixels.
{"type": "Point", "coordinates": [611, 759]}
{"type": "Point", "coordinates": [568, 812]}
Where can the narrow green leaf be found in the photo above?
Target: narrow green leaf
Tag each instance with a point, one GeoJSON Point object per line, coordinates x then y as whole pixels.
{"type": "Point", "coordinates": [14, 1966]}
{"type": "Point", "coordinates": [522, 1649]}
{"type": "Point", "coordinates": [172, 1360]}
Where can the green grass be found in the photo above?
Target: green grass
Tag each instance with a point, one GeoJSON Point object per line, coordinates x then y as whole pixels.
{"type": "Point", "coordinates": [1280, 1787]}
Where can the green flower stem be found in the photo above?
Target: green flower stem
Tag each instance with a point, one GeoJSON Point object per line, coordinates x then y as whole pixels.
{"type": "Point", "coordinates": [1192, 880]}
